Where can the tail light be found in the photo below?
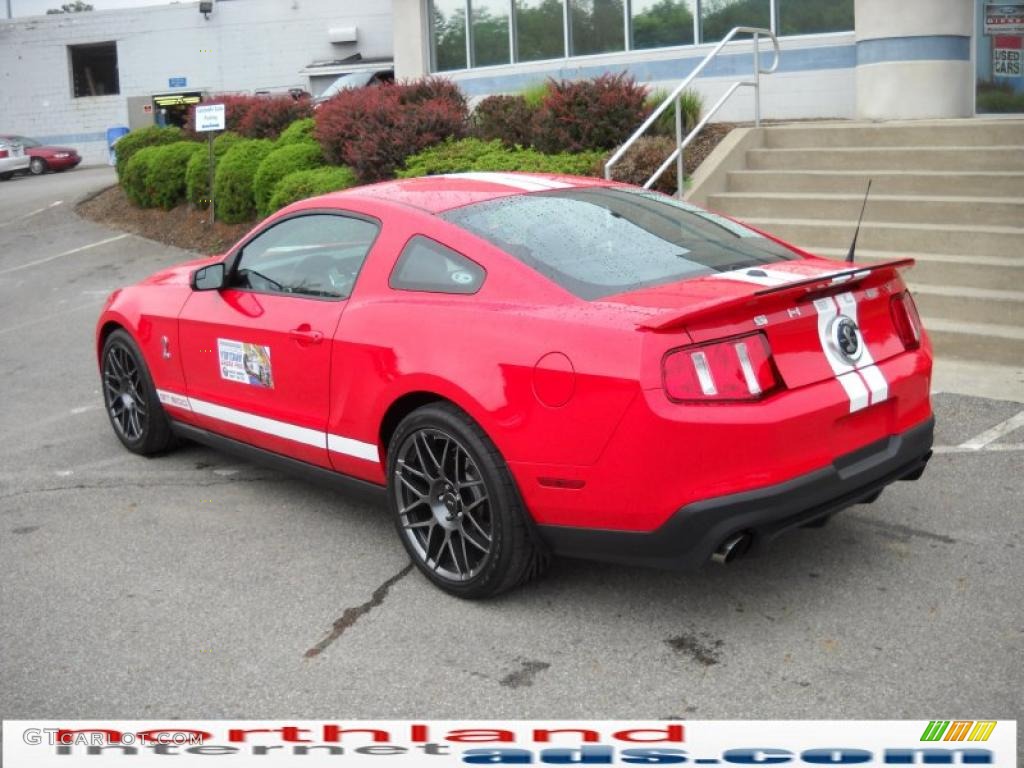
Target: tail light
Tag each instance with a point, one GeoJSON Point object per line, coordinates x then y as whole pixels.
{"type": "Point", "coordinates": [3, 153]}
{"type": "Point", "coordinates": [739, 368]}
{"type": "Point", "coordinates": [906, 319]}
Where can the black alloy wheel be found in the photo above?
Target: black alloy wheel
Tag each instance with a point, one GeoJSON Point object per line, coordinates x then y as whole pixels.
{"type": "Point", "coordinates": [456, 507]}
{"type": "Point", "coordinates": [130, 398]}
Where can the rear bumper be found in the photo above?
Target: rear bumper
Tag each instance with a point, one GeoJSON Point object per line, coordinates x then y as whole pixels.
{"type": "Point", "coordinates": [693, 533]}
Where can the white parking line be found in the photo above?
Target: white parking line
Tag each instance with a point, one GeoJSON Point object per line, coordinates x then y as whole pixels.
{"type": "Point", "coordinates": [997, 448]}
{"type": "Point", "coordinates": [30, 214]}
{"type": "Point", "coordinates": [40, 320]}
{"type": "Point", "coordinates": [991, 435]}
{"type": "Point", "coordinates": [44, 260]}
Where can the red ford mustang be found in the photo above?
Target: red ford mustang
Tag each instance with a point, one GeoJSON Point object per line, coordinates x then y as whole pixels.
{"type": "Point", "coordinates": [533, 364]}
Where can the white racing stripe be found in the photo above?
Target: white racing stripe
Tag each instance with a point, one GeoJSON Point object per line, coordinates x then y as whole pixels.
{"type": "Point", "coordinates": [856, 390]}
{"type": "Point", "coordinates": [769, 278]}
{"type": "Point", "coordinates": [525, 183]}
{"type": "Point", "coordinates": [304, 435]}
{"type": "Point", "coordinates": [865, 383]}
{"type": "Point", "coordinates": [873, 376]}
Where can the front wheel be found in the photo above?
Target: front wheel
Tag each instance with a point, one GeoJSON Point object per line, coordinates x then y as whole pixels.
{"type": "Point", "coordinates": [37, 166]}
{"type": "Point", "coordinates": [456, 507]}
{"type": "Point", "coordinates": [130, 398]}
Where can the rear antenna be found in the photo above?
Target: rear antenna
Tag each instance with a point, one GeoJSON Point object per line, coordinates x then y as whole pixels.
{"type": "Point", "coordinates": [853, 245]}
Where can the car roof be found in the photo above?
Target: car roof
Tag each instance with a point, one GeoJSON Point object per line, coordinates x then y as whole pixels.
{"type": "Point", "coordinates": [436, 194]}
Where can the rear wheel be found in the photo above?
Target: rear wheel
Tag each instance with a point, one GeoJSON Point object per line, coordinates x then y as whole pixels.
{"type": "Point", "coordinates": [130, 398]}
{"type": "Point", "coordinates": [456, 507]}
{"type": "Point", "coordinates": [37, 166]}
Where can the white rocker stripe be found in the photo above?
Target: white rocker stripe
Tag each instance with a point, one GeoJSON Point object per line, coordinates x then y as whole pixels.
{"type": "Point", "coordinates": [304, 435]}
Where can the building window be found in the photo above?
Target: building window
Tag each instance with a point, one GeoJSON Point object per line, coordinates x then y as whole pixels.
{"type": "Point", "coordinates": [94, 69]}
{"type": "Point", "coordinates": [662, 23]}
{"type": "Point", "coordinates": [505, 31]}
{"type": "Point", "coordinates": [540, 30]}
{"type": "Point", "coordinates": [490, 32]}
{"type": "Point", "coordinates": [718, 17]}
{"type": "Point", "coordinates": [449, 20]}
{"type": "Point", "coordinates": [809, 17]}
{"type": "Point", "coordinates": [597, 26]}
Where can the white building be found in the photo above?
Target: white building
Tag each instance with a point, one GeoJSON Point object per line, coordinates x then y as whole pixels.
{"type": "Point", "coordinates": [66, 79]}
{"type": "Point", "coordinates": [872, 59]}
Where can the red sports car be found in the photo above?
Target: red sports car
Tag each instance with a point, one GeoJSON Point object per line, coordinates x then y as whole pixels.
{"type": "Point", "coordinates": [531, 365]}
{"type": "Point", "coordinates": [45, 158]}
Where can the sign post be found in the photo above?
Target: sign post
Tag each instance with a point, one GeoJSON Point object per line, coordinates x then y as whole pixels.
{"type": "Point", "coordinates": [210, 118]}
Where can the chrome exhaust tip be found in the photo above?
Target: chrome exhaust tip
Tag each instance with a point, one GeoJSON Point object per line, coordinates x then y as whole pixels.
{"type": "Point", "coordinates": [733, 547]}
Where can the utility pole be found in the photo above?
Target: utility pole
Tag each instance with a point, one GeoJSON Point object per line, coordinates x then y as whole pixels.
{"type": "Point", "coordinates": [9, 14]}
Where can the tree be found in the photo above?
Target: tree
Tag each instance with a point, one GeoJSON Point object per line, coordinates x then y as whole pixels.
{"type": "Point", "coordinates": [76, 7]}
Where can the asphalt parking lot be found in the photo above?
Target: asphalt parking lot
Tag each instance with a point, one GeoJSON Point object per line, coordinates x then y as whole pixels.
{"type": "Point", "coordinates": [193, 585]}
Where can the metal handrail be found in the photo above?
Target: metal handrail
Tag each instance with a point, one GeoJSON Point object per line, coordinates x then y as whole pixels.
{"type": "Point", "coordinates": [681, 142]}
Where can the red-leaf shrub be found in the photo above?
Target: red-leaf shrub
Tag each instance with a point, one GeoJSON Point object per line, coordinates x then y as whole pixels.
{"type": "Point", "coordinates": [268, 116]}
{"type": "Point", "coordinates": [373, 130]}
{"type": "Point", "coordinates": [506, 118]}
{"type": "Point", "coordinates": [580, 115]}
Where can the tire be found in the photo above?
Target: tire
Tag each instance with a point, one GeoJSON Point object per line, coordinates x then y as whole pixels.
{"type": "Point", "coordinates": [130, 399]}
{"type": "Point", "coordinates": [37, 166]}
{"type": "Point", "coordinates": [6, 176]}
{"type": "Point", "coordinates": [449, 490]}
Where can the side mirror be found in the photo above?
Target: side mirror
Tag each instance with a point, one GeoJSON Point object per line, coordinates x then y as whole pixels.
{"type": "Point", "coordinates": [209, 278]}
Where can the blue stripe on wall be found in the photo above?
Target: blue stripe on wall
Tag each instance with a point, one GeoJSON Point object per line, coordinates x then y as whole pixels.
{"type": "Point", "coordinates": [726, 65]}
{"type": "Point", "coordinates": [72, 138]}
{"type": "Point", "coordinates": [923, 48]}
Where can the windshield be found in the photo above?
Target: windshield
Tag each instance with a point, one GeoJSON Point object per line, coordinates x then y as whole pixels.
{"type": "Point", "coordinates": [351, 80]}
{"type": "Point", "coordinates": [598, 242]}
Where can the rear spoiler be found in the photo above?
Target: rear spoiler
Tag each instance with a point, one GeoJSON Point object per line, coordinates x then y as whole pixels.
{"type": "Point", "coordinates": [803, 287]}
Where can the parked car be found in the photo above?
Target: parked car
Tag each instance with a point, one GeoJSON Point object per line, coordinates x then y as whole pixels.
{"type": "Point", "coordinates": [43, 157]}
{"type": "Point", "coordinates": [363, 78]}
{"type": "Point", "coordinates": [13, 158]}
{"type": "Point", "coordinates": [529, 364]}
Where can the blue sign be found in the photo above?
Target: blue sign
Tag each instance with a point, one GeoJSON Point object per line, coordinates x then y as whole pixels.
{"type": "Point", "coordinates": [177, 82]}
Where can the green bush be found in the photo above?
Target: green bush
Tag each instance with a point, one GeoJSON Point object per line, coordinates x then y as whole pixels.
{"type": "Point", "coordinates": [278, 164]}
{"type": "Point", "coordinates": [232, 184]}
{"type": "Point", "coordinates": [299, 131]}
{"type": "Point", "coordinates": [310, 183]}
{"type": "Point", "coordinates": [165, 179]}
{"type": "Point", "coordinates": [135, 178]}
{"type": "Point", "coordinates": [476, 155]}
{"type": "Point", "coordinates": [197, 175]}
{"type": "Point", "coordinates": [691, 104]}
{"type": "Point", "coordinates": [130, 143]}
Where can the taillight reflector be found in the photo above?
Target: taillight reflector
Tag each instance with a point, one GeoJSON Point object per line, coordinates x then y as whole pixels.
{"type": "Point", "coordinates": [3, 153]}
{"type": "Point", "coordinates": [740, 368]}
{"type": "Point", "coordinates": [906, 319]}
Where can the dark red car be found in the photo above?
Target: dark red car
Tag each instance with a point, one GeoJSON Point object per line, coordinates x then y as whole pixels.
{"type": "Point", "coordinates": [44, 157]}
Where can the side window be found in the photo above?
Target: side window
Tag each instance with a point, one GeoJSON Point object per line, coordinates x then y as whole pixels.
{"type": "Point", "coordinates": [318, 254]}
{"type": "Point", "coordinates": [426, 265]}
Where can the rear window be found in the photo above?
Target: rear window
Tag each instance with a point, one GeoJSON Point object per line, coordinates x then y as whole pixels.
{"type": "Point", "coordinates": [598, 242]}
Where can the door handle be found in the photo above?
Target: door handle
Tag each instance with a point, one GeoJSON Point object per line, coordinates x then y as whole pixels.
{"type": "Point", "coordinates": [306, 335]}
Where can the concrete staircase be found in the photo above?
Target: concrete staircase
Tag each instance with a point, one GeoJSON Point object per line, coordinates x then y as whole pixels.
{"type": "Point", "coordinates": [948, 193]}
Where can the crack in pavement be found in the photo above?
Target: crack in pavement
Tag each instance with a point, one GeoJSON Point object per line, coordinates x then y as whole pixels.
{"type": "Point", "coordinates": [352, 615]}
{"type": "Point", "coordinates": [901, 532]}
{"type": "Point", "coordinates": [158, 484]}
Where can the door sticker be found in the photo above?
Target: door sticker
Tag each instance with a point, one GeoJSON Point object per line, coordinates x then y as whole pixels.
{"type": "Point", "coordinates": [245, 363]}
